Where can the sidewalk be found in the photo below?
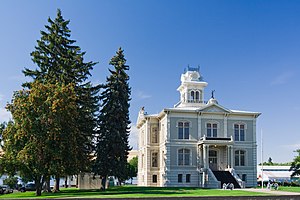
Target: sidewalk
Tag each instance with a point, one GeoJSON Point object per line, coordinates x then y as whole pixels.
{"type": "Point", "coordinates": [273, 192]}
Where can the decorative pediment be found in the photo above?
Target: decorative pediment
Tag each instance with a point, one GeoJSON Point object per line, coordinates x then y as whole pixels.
{"type": "Point", "coordinates": [215, 108]}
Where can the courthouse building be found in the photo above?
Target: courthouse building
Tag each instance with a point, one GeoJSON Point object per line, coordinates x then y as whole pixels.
{"type": "Point", "coordinates": [197, 143]}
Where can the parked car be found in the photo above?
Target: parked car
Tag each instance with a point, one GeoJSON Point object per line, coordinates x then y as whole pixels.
{"type": "Point", "coordinates": [6, 189]}
{"type": "Point", "coordinates": [27, 187]}
{"type": "Point", "coordinates": [30, 187]}
{"type": "Point", "coordinates": [1, 190]}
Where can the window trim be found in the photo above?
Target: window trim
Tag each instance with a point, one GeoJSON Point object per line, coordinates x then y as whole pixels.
{"type": "Point", "coordinates": [188, 178]}
{"type": "Point", "coordinates": [183, 129]}
{"type": "Point", "coordinates": [154, 180]}
{"type": "Point", "coordinates": [183, 157]}
{"type": "Point", "coordinates": [180, 178]}
{"type": "Point", "coordinates": [239, 158]}
{"type": "Point", "coordinates": [157, 159]}
{"type": "Point", "coordinates": [212, 129]}
{"type": "Point", "coordinates": [152, 135]}
{"type": "Point", "coordinates": [245, 131]}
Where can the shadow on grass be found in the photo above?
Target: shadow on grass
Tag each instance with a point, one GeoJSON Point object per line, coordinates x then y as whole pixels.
{"type": "Point", "coordinates": [129, 190]}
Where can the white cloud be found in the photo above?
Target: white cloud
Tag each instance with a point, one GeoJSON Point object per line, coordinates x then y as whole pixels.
{"type": "Point", "coordinates": [133, 137]}
{"type": "Point", "coordinates": [282, 78]}
{"type": "Point", "coordinates": [142, 95]}
{"type": "Point", "coordinates": [4, 115]}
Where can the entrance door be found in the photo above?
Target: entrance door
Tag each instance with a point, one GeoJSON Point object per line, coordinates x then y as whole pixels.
{"type": "Point", "coordinates": [213, 160]}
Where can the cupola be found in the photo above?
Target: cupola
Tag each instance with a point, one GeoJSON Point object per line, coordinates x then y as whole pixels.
{"type": "Point", "coordinates": [191, 88]}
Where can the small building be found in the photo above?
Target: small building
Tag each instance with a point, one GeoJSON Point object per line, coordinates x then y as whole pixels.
{"type": "Point", "coordinates": [274, 173]}
{"type": "Point", "coordinates": [197, 143]}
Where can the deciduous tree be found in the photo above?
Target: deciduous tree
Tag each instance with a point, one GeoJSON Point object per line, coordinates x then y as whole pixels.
{"type": "Point", "coordinates": [44, 130]}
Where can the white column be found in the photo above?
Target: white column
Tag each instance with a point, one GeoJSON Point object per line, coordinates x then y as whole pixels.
{"type": "Point", "coordinates": [199, 126]}
{"type": "Point", "coordinates": [205, 156]}
{"type": "Point", "coordinates": [225, 126]}
{"type": "Point", "coordinates": [228, 161]}
{"type": "Point", "coordinates": [231, 156]}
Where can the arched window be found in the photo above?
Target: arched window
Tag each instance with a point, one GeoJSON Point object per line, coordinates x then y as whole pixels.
{"type": "Point", "coordinates": [192, 96]}
{"type": "Point", "coordinates": [197, 96]}
{"type": "Point", "coordinates": [239, 132]}
{"type": "Point", "coordinates": [154, 159]}
{"type": "Point", "coordinates": [154, 135]}
{"type": "Point", "coordinates": [184, 156]}
{"type": "Point", "coordinates": [212, 130]}
{"type": "Point", "coordinates": [239, 158]}
{"type": "Point", "coordinates": [183, 130]}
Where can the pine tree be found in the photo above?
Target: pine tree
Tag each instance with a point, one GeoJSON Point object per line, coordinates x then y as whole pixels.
{"type": "Point", "coordinates": [112, 136]}
{"type": "Point", "coordinates": [59, 60]}
{"type": "Point", "coordinates": [295, 166]}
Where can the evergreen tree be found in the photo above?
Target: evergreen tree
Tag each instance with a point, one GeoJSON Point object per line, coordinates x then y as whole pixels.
{"type": "Point", "coordinates": [112, 136]}
{"type": "Point", "coordinates": [295, 166]}
{"type": "Point", "coordinates": [59, 60]}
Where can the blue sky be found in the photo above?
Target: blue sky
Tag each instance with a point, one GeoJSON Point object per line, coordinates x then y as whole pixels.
{"type": "Point", "coordinates": [248, 52]}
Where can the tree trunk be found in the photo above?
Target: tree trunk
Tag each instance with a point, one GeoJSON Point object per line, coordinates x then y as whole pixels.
{"type": "Point", "coordinates": [38, 186]}
{"type": "Point", "coordinates": [103, 183]}
{"type": "Point", "coordinates": [46, 186]}
{"type": "Point", "coordinates": [66, 182]}
{"type": "Point", "coordinates": [56, 186]}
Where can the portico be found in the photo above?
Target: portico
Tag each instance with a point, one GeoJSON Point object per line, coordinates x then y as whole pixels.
{"type": "Point", "coordinates": [216, 153]}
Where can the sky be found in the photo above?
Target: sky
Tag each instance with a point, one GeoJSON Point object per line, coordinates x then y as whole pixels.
{"type": "Point", "coordinates": [248, 52]}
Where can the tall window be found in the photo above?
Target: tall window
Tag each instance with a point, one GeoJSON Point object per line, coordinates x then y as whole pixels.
{"type": "Point", "coordinates": [197, 97]}
{"type": "Point", "coordinates": [154, 179]}
{"type": "Point", "coordinates": [154, 159]}
{"type": "Point", "coordinates": [212, 129]}
{"type": "Point", "coordinates": [244, 177]}
{"type": "Point", "coordinates": [183, 130]}
{"type": "Point", "coordinates": [239, 157]}
{"type": "Point", "coordinates": [239, 132]}
{"type": "Point", "coordinates": [179, 178]}
{"type": "Point", "coordinates": [154, 135]}
{"type": "Point", "coordinates": [184, 156]}
{"type": "Point", "coordinates": [188, 178]}
{"type": "Point", "coordinates": [192, 96]}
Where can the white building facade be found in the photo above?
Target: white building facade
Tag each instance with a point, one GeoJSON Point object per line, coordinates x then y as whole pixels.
{"type": "Point", "coordinates": [197, 143]}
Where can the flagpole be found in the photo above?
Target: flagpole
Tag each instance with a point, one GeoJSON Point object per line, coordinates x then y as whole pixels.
{"type": "Point", "coordinates": [262, 160]}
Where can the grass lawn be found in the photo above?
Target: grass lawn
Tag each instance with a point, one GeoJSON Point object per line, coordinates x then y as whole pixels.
{"type": "Point", "coordinates": [289, 189]}
{"type": "Point", "coordinates": [134, 192]}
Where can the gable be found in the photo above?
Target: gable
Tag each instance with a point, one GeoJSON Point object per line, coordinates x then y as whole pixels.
{"type": "Point", "coordinates": [215, 108]}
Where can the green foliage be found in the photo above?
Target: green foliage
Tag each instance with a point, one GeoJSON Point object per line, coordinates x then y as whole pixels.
{"type": "Point", "coordinates": [112, 135]}
{"type": "Point", "coordinates": [60, 61]}
{"type": "Point", "coordinates": [11, 181]}
{"type": "Point", "coordinates": [295, 166]}
{"type": "Point", "coordinates": [134, 164]}
{"type": "Point", "coordinates": [2, 128]}
{"type": "Point", "coordinates": [43, 131]}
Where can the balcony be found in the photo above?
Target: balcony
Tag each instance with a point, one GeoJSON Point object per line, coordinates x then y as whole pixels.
{"type": "Point", "coordinates": [216, 140]}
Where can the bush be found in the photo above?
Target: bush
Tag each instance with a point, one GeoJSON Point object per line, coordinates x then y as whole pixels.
{"type": "Point", "coordinates": [11, 182]}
